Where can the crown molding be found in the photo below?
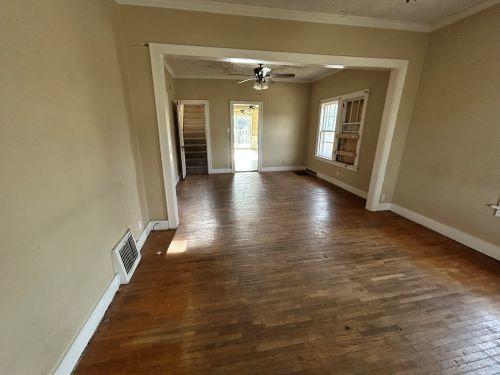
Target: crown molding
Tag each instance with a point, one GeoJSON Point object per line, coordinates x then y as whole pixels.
{"type": "Point", "coordinates": [283, 14]}
{"type": "Point", "coordinates": [466, 13]}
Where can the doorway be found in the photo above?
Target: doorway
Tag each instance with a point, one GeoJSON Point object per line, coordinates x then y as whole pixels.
{"type": "Point", "coordinates": [246, 125]}
{"type": "Point", "coordinates": [194, 137]}
{"type": "Point", "coordinates": [395, 92]}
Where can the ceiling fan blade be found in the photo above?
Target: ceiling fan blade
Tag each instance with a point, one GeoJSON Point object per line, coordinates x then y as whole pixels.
{"type": "Point", "coordinates": [239, 74]}
{"type": "Point", "coordinates": [282, 75]}
{"type": "Point", "coordinates": [245, 80]}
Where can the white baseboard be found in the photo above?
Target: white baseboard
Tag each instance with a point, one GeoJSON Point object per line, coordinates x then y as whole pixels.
{"type": "Point", "coordinates": [281, 169]}
{"type": "Point", "coordinates": [343, 185]}
{"type": "Point", "coordinates": [221, 170]}
{"type": "Point", "coordinates": [75, 350]}
{"type": "Point", "coordinates": [159, 225]}
{"type": "Point", "coordinates": [450, 232]}
{"type": "Point", "coordinates": [384, 206]}
{"type": "Point", "coordinates": [142, 238]}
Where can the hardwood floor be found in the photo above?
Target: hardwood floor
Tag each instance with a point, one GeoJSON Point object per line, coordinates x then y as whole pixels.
{"type": "Point", "coordinates": [278, 273]}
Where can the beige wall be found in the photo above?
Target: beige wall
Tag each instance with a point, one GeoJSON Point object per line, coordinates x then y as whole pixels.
{"type": "Point", "coordinates": [146, 24]}
{"type": "Point", "coordinates": [284, 128]}
{"type": "Point", "coordinates": [144, 117]}
{"type": "Point", "coordinates": [451, 165]}
{"type": "Point", "coordinates": [71, 185]}
{"type": "Point", "coordinates": [346, 82]}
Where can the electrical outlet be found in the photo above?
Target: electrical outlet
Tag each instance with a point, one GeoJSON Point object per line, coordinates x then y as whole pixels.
{"type": "Point", "coordinates": [139, 224]}
{"type": "Point", "coordinates": [382, 198]}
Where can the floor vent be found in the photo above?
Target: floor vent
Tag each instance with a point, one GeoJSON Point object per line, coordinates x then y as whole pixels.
{"type": "Point", "coordinates": [306, 172]}
{"type": "Point", "coordinates": [126, 257]}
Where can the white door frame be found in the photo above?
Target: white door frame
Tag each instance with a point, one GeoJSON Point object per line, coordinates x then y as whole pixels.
{"type": "Point", "coordinates": [207, 132]}
{"type": "Point", "coordinates": [398, 68]}
{"type": "Point", "coordinates": [180, 121]}
{"type": "Point", "coordinates": [232, 103]}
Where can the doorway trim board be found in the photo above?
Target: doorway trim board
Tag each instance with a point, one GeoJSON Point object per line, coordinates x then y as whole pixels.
{"type": "Point", "coordinates": [398, 69]}
{"type": "Point", "coordinates": [232, 103]}
{"type": "Point", "coordinates": [207, 127]}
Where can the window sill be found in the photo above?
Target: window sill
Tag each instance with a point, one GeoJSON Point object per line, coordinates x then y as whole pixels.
{"type": "Point", "coordinates": [337, 163]}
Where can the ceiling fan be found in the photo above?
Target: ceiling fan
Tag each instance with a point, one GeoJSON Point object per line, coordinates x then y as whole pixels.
{"type": "Point", "coordinates": [262, 76]}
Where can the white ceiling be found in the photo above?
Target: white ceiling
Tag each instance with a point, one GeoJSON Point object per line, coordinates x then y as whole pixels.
{"type": "Point", "coordinates": [416, 15]}
{"type": "Point", "coordinates": [424, 11]}
{"type": "Point", "coordinates": [189, 67]}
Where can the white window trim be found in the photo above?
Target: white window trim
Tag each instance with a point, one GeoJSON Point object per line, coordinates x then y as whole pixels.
{"type": "Point", "coordinates": [320, 119]}
{"type": "Point", "coordinates": [337, 163]}
{"type": "Point", "coordinates": [341, 99]}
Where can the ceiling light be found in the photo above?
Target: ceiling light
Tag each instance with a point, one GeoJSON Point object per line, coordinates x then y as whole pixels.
{"type": "Point", "coordinates": [259, 86]}
{"type": "Point", "coordinates": [335, 66]}
{"type": "Point", "coordinates": [238, 60]}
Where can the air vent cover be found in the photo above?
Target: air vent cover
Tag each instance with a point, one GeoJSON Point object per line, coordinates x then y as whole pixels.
{"type": "Point", "coordinates": [126, 257]}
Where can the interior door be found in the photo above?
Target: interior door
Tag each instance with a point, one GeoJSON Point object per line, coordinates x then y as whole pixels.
{"type": "Point", "coordinates": [180, 117]}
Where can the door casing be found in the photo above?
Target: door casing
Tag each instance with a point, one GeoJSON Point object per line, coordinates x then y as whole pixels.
{"type": "Point", "coordinates": [232, 103]}
{"type": "Point", "coordinates": [180, 104]}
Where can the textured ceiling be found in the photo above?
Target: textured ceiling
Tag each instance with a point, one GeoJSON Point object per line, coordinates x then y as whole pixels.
{"type": "Point", "coordinates": [182, 66]}
{"type": "Point", "coordinates": [424, 11]}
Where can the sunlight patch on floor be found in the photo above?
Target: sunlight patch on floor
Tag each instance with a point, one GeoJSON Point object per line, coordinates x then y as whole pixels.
{"type": "Point", "coordinates": [245, 159]}
{"type": "Point", "coordinates": [177, 246]}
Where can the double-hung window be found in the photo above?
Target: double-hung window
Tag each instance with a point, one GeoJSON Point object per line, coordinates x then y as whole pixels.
{"type": "Point", "coordinates": [327, 125]}
{"type": "Point", "coordinates": [340, 130]}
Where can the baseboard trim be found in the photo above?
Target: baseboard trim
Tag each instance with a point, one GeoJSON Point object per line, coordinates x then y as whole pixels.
{"type": "Point", "coordinates": [450, 232]}
{"type": "Point", "coordinates": [282, 169]}
{"type": "Point", "coordinates": [384, 206]}
{"type": "Point", "coordinates": [142, 238]}
{"type": "Point", "coordinates": [221, 170]}
{"type": "Point", "coordinates": [75, 350]}
{"type": "Point", "coordinates": [343, 185]}
{"type": "Point", "coordinates": [157, 225]}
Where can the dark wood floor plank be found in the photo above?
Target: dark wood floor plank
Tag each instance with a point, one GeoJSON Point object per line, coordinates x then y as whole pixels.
{"type": "Point", "coordinates": [278, 273]}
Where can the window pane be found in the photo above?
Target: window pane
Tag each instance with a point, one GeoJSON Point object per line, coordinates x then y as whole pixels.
{"type": "Point", "coordinates": [329, 137]}
{"type": "Point", "coordinates": [325, 146]}
{"type": "Point", "coordinates": [326, 150]}
{"type": "Point", "coordinates": [327, 129]}
{"type": "Point", "coordinates": [329, 118]}
{"type": "Point", "coordinates": [242, 131]}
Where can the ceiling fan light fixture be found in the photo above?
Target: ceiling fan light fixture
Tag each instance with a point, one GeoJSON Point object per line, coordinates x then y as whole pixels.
{"type": "Point", "coordinates": [335, 66]}
{"type": "Point", "coordinates": [260, 76]}
{"type": "Point", "coordinates": [259, 86]}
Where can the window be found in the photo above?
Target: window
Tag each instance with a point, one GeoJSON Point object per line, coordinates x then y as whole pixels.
{"type": "Point", "coordinates": [327, 125]}
{"type": "Point", "coordinates": [340, 129]}
{"type": "Point", "coordinates": [242, 131]}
